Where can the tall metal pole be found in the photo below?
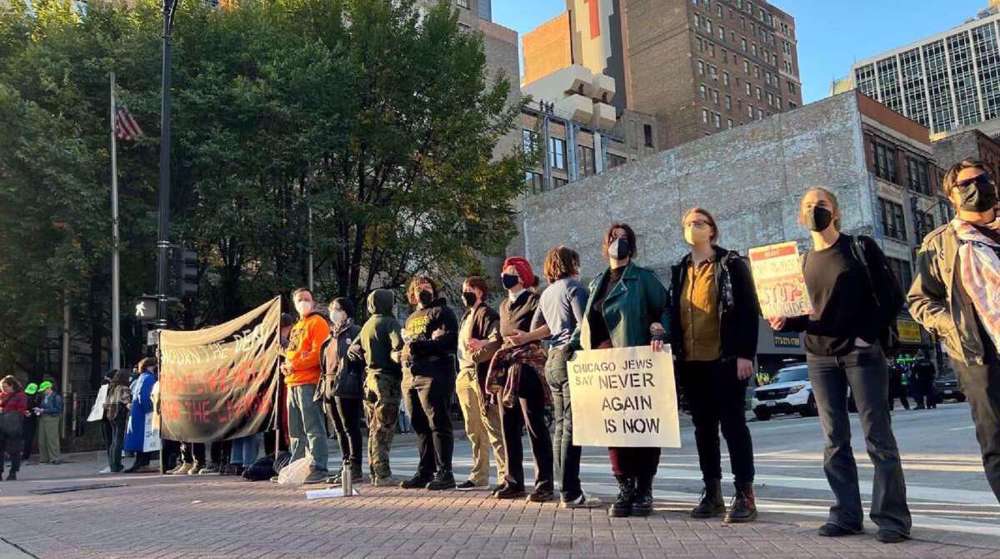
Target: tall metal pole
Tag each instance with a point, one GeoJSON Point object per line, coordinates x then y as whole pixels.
{"type": "Point", "coordinates": [163, 242]}
{"type": "Point", "coordinates": [116, 350]}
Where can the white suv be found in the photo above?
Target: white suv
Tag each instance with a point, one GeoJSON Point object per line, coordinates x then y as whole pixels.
{"type": "Point", "coordinates": [789, 392]}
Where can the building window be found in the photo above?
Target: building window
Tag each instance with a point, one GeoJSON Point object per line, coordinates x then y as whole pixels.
{"type": "Point", "coordinates": [924, 224]}
{"type": "Point", "coordinates": [722, 32]}
{"type": "Point", "coordinates": [729, 103]}
{"type": "Point", "coordinates": [702, 91]}
{"type": "Point", "coordinates": [746, 66]}
{"type": "Point", "coordinates": [760, 114]}
{"type": "Point", "coordinates": [713, 72]}
{"type": "Point", "coordinates": [770, 99]}
{"type": "Point", "coordinates": [586, 158]}
{"type": "Point", "coordinates": [918, 177]}
{"type": "Point", "coordinates": [615, 161]}
{"type": "Point", "coordinates": [557, 153]}
{"type": "Point", "coordinates": [715, 97]}
{"type": "Point", "coordinates": [791, 88]}
{"type": "Point", "coordinates": [533, 181]}
{"type": "Point", "coordinates": [743, 45]}
{"type": "Point", "coordinates": [704, 116]}
{"type": "Point", "coordinates": [463, 4]}
{"type": "Point", "coordinates": [885, 162]}
{"type": "Point", "coordinates": [750, 111]}
{"type": "Point", "coordinates": [760, 95]}
{"type": "Point", "coordinates": [529, 139]}
{"type": "Point", "coordinates": [729, 123]}
{"type": "Point", "coordinates": [647, 132]}
{"type": "Point", "coordinates": [756, 72]}
{"type": "Point", "coordinates": [749, 89]}
{"type": "Point", "coordinates": [725, 78]}
{"type": "Point", "coordinates": [558, 182]}
{"type": "Point", "coordinates": [717, 120]}
{"type": "Point", "coordinates": [725, 56]}
{"type": "Point", "coordinates": [901, 269]}
{"type": "Point", "coordinates": [701, 68]}
{"type": "Point", "coordinates": [893, 220]}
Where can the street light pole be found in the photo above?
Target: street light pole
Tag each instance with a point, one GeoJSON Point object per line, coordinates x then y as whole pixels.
{"type": "Point", "coordinates": [163, 242]}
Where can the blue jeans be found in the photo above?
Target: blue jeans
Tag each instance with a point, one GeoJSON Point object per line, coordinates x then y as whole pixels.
{"type": "Point", "coordinates": [566, 455]}
{"type": "Point", "coordinates": [245, 449]}
{"type": "Point", "coordinates": [306, 426]}
{"type": "Point", "coordinates": [864, 371]}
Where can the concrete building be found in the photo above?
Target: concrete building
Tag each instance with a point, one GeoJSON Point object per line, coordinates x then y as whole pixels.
{"type": "Point", "coordinates": [946, 82]}
{"type": "Point", "coordinates": [751, 178]}
{"type": "Point", "coordinates": [698, 66]}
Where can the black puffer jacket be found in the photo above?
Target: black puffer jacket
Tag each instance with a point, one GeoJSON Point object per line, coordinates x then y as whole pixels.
{"type": "Point", "coordinates": [429, 354]}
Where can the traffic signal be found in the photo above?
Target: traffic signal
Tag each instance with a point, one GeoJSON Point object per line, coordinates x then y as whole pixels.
{"type": "Point", "coordinates": [182, 277]}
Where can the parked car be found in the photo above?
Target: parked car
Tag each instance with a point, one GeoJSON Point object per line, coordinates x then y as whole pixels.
{"type": "Point", "coordinates": [947, 388]}
{"type": "Point", "coordinates": [789, 392]}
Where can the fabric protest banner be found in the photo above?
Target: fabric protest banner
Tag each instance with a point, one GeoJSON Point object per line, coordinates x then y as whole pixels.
{"type": "Point", "coordinates": [221, 382]}
{"type": "Point", "coordinates": [777, 275]}
{"type": "Point", "coordinates": [624, 397]}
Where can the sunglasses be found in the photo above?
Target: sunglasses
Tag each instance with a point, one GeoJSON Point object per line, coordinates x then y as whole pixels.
{"type": "Point", "coordinates": [981, 180]}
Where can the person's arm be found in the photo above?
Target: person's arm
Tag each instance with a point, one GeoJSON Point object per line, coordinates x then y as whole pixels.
{"type": "Point", "coordinates": [445, 343]}
{"type": "Point", "coordinates": [145, 401]}
{"type": "Point", "coordinates": [491, 337]}
{"type": "Point", "coordinates": [928, 297]}
{"type": "Point", "coordinates": [658, 303]}
{"type": "Point", "coordinates": [747, 309]}
{"type": "Point", "coordinates": [308, 354]}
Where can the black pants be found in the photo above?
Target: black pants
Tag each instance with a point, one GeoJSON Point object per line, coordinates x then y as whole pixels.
{"type": "Point", "coordinates": [567, 455]}
{"type": "Point", "coordinates": [193, 453]}
{"type": "Point", "coordinates": [529, 411]}
{"type": "Point", "coordinates": [716, 396]}
{"type": "Point", "coordinates": [28, 434]}
{"type": "Point", "coordinates": [981, 386]}
{"type": "Point", "coordinates": [13, 447]}
{"type": "Point", "coordinates": [345, 414]}
{"type": "Point", "coordinates": [428, 401]}
{"type": "Point", "coordinates": [118, 426]}
{"type": "Point", "coordinates": [864, 371]}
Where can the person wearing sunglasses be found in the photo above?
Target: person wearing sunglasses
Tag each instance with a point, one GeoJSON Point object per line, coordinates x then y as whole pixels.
{"type": "Point", "coordinates": [954, 295]}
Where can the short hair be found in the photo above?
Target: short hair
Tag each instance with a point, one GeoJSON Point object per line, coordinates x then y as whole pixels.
{"type": "Point", "coordinates": [411, 291]}
{"type": "Point", "coordinates": [345, 305]}
{"type": "Point", "coordinates": [828, 194]}
{"type": "Point", "coordinates": [301, 290]}
{"type": "Point", "coordinates": [708, 217]}
{"type": "Point", "coordinates": [287, 320]}
{"type": "Point", "coordinates": [951, 177]}
{"type": "Point", "coordinates": [480, 283]}
{"type": "Point", "coordinates": [12, 381]}
{"type": "Point", "coordinates": [629, 236]}
{"type": "Point", "coordinates": [560, 262]}
{"type": "Point", "coordinates": [147, 363]}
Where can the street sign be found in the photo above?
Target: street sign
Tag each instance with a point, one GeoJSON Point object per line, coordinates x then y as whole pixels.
{"type": "Point", "coordinates": [145, 309]}
{"type": "Point", "coordinates": [153, 337]}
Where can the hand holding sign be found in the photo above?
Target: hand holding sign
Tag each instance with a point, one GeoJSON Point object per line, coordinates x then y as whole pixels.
{"type": "Point", "coordinates": [781, 287]}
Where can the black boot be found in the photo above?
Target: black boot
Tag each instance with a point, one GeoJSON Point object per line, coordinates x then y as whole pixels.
{"type": "Point", "coordinates": [626, 494]}
{"type": "Point", "coordinates": [442, 481]}
{"type": "Point", "coordinates": [744, 507]}
{"type": "Point", "coordinates": [642, 504]}
{"type": "Point", "coordinates": [711, 501]}
{"type": "Point", "coordinates": [356, 475]}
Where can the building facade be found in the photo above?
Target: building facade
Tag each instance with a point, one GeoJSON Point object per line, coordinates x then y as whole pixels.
{"type": "Point", "coordinates": [945, 82]}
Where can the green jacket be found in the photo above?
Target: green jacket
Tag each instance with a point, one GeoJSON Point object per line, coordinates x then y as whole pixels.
{"type": "Point", "coordinates": [638, 300]}
{"type": "Point", "coordinates": [380, 335]}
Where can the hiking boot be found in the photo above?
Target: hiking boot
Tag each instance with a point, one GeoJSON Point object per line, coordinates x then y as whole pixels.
{"type": "Point", "coordinates": [581, 502]}
{"type": "Point", "coordinates": [442, 481]}
{"type": "Point", "coordinates": [744, 507]}
{"type": "Point", "coordinates": [510, 491]}
{"type": "Point", "coordinates": [711, 504]}
{"type": "Point", "coordinates": [316, 476]}
{"type": "Point", "coordinates": [642, 504]}
{"type": "Point", "coordinates": [416, 482]}
{"type": "Point", "coordinates": [469, 485]}
{"type": "Point", "coordinates": [541, 495]}
{"type": "Point", "coordinates": [180, 470]}
{"type": "Point", "coordinates": [622, 506]}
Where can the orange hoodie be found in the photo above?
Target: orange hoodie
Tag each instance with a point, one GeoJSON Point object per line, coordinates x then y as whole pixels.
{"type": "Point", "coordinates": [303, 352]}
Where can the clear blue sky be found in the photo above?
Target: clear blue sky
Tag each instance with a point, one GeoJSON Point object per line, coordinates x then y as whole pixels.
{"type": "Point", "coordinates": [832, 34]}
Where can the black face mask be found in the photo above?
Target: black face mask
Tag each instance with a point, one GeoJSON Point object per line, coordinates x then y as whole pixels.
{"type": "Point", "coordinates": [509, 281]}
{"type": "Point", "coordinates": [619, 249]}
{"type": "Point", "coordinates": [469, 298]}
{"type": "Point", "coordinates": [819, 219]}
{"type": "Point", "coordinates": [979, 195]}
{"type": "Point", "coordinates": [425, 297]}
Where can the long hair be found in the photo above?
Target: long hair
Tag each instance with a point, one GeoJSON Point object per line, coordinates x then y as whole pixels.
{"type": "Point", "coordinates": [412, 294]}
{"type": "Point", "coordinates": [12, 381]}
{"type": "Point", "coordinates": [560, 262]}
{"type": "Point", "coordinates": [830, 195]}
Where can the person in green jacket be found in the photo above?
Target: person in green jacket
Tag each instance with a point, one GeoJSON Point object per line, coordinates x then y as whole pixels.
{"type": "Point", "coordinates": [628, 306]}
{"type": "Point", "coordinates": [380, 341]}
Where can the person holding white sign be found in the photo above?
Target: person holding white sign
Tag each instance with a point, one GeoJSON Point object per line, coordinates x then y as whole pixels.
{"type": "Point", "coordinates": [713, 328]}
{"type": "Point", "coordinates": [855, 299]}
{"type": "Point", "coordinates": [627, 307]}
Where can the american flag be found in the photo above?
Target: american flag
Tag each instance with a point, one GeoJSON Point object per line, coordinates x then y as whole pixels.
{"type": "Point", "coordinates": [126, 128]}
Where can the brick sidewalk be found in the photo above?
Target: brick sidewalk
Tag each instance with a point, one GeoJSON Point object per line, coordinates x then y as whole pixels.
{"type": "Point", "coordinates": [212, 516]}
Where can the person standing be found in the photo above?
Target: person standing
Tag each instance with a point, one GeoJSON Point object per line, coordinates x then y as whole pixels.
{"type": "Point", "coordinates": [341, 385]}
{"type": "Point", "coordinates": [117, 413]}
{"type": "Point", "coordinates": [516, 380]}
{"type": "Point", "coordinates": [897, 388]}
{"type": "Point", "coordinates": [628, 307]}
{"type": "Point", "coordinates": [30, 420]}
{"type": "Point", "coordinates": [13, 408]}
{"type": "Point", "coordinates": [140, 409]}
{"type": "Point", "coordinates": [713, 327]}
{"type": "Point", "coordinates": [478, 340]}
{"type": "Point", "coordinates": [380, 343]}
{"type": "Point", "coordinates": [924, 374]}
{"type": "Point", "coordinates": [855, 300]}
{"type": "Point", "coordinates": [428, 359]}
{"type": "Point", "coordinates": [306, 424]}
{"type": "Point", "coordinates": [954, 295]}
{"type": "Point", "coordinates": [49, 412]}
{"type": "Point", "coordinates": [560, 309]}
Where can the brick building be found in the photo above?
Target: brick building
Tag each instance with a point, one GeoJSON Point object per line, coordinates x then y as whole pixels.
{"type": "Point", "coordinates": [969, 144]}
{"type": "Point", "coordinates": [751, 178]}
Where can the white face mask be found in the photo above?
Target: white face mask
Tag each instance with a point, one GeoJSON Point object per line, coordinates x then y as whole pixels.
{"type": "Point", "coordinates": [303, 308]}
{"type": "Point", "coordinates": [338, 317]}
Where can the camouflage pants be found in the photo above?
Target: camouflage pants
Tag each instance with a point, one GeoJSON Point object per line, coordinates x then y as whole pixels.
{"type": "Point", "coordinates": [382, 397]}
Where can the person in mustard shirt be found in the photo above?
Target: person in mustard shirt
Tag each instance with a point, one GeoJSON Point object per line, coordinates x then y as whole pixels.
{"type": "Point", "coordinates": [302, 371]}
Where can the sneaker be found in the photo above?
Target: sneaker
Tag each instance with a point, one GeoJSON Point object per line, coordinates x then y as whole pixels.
{"type": "Point", "coordinates": [886, 536]}
{"type": "Point", "coordinates": [194, 470]}
{"type": "Point", "coordinates": [416, 482]}
{"type": "Point", "coordinates": [469, 485]}
{"type": "Point", "coordinates": [580, 502]}
{"type": "Point", "coordinates": [510, 492]}
{"type": "Point", "coordinates": [442, 481]}
{"type": "Point", "coordinates": [830, 530]}
{"type": "Point", "coordinates": [387, 481]}
{"type": "Point", "coordinates": [316, 476]}
{"type": "Point", "coordinates": [209, 470]}
{"type": "Point", "coordinates": [494, 489]}
{"type": "Point", "coordinates": [274, 479]}
{"type": "Point", "coordinates": [106, 470]}
{"type": "Point", "coordinates": [180, 470]}
{"type": "Point", "coordinates": [541, 496]}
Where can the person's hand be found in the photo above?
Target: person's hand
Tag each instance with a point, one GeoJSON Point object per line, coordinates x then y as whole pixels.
{"type": "Point", "coordinates": [517, 337]}
{"type": "Point", "coordinates": [657, 331]}
{"type": "Point", "coordinates": [744, 368]}
{"type": "Point", "coordinates": [858, 342]}
{"type": "Point", "coordinates": [355, 353]}
{"type": "Point", "coordinates": [439, 333]}
{"type": "Point", "coordinates": [777, 323]}
{"type": "Point", "coordinates": [656, 345]}
{"type": "Point", "coordinates": [475, 345]}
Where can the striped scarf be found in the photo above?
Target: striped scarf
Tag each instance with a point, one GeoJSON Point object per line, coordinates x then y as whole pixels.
{"type": "Point", "coordinates": [979, 267]}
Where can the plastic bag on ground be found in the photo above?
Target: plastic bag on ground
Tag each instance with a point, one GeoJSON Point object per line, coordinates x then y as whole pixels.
{"type": "Point", "coordinates": [295, 473]}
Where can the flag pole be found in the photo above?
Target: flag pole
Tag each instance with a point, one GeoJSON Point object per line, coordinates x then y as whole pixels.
{"type": "Point", "coordinates": [116, 356]}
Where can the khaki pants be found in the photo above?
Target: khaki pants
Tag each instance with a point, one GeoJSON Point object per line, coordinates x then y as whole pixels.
{"type": "Point", "coordinates": [48, 438]}
{"type": "Point", "coordinates": [482, 425]}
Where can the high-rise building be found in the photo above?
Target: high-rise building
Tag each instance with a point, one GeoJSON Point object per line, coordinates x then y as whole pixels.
{"type": "Point", "coordinates": [698, 66]}
{"type": "Point", "coordinates": [945, 82]}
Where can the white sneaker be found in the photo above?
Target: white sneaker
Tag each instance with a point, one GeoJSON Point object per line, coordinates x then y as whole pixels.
{"type": "Point", "coordinates": [106, 470]}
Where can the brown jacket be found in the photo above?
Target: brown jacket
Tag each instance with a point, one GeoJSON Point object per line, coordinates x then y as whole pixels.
{"type": "Point", "coordinates": [939, 302]}
{"type": "Point", "coordinates": [485, 326]}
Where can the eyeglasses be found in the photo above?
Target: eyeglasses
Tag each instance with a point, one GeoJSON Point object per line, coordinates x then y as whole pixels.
{"type": "Point", "coordinates": [697, 223]}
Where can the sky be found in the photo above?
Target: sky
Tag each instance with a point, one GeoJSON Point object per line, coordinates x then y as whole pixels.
{"type": "Point", "coordinates": [831, 34]}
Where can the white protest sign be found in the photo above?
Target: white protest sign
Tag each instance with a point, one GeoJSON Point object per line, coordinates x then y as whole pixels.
{"type": "Point", "coordinates": [97, 412]}
{"type": "Point", "coordinates": [624, 397]}
{"type": "Point", "coordinates": [777, 275]}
